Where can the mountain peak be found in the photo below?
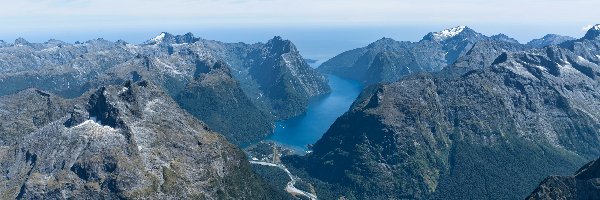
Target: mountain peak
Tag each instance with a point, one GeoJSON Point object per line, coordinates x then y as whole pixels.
{"type": "Point", "coordinates": [593, 33]}
{"type": "Point", "coordinates": [549, 39]}
{"type": "Point", "coordinates": [54, 42]}
{"type": "Point", "coordinates": [504, 38]}
{"type": "Point", "coordinates": [278, 40]}
{"type": "Point", "coordinates": [160, 37]}
{"type": "Point", "coordinates": [21, 41]}
{"type": "Point", "coordinates": [447, 33]}
{"type": "Point", "coordinates": [165, 37]}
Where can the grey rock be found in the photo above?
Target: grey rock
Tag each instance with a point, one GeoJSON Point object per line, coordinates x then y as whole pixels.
{"type": "Point", "coordinates": [135, 144]}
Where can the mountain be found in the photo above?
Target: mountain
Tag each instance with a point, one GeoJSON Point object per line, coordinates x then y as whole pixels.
{"type": "Point", "coordinates": [582, 185]}
{"type": "Point", "coordinates": [488, 133]}
{"type": "Point", "coordinates": [216, 98]}
{"type": "Point", "coordinates": [127, 142]}
{"type": "Point", "coordinates": [387, 60]}
{"type": "Point", "coordinates": [504, 38]}
{"type": "Point", "coordinates": [27, 111]}
{"type": "Point", "coordinates": [593, 33]}
{"type": "Point", "coordinates": [482, 54]}
{"type": "Point", "coordinates": [272, 75]}
{"type": "Point", "coordinates": [550, 39]}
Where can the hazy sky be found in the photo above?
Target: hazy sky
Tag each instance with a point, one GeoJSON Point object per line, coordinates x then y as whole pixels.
{"type": "Point", "coordinates": [257, 20]}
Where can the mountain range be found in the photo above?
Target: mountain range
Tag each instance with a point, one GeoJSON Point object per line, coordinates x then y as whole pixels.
{"type": "Point", "coordinates": [274, 80]}
{"type": "Point", "coordinates": [387, 60]}
{"type": "Point", "coordinates": [457, 115]}
{"type": "Point", "coordinates": [490, 132]}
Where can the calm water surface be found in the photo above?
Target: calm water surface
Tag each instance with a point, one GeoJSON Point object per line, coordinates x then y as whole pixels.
{"type": "Point", "coordinates": [306, 129]}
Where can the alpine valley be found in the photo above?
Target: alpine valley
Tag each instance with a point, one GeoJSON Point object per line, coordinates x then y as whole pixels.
{"type": "Point", "coordinates": [456, 115]}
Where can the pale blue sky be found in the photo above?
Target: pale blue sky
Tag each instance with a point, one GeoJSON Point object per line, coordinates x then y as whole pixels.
{"type": "Point", "coordinates": [355, 21]}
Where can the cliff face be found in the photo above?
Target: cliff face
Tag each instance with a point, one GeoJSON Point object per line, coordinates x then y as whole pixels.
{"type": "Point", "coordinates": [129, 141]}
{"type": "Point", "coordinates": [582, 185]}
{"type": "Point", "coordinates": [494, 132]}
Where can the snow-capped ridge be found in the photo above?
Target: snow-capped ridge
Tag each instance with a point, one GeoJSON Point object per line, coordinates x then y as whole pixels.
{"type": "Point", "coordinates": [448, 33]}
{"type": "Point", "coordinates": [159, 37]}
{"type": "Point", "coordinates": [593, 32]}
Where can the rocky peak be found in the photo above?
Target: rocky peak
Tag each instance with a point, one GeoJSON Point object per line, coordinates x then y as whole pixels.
{"type": "Point", "coordinates": [504, 38]}
{"type": "Point", "coordinates": [109, 105]}
{"type": "Point", "coordinates": [593, 33]}
{"type": "Point", "coordinates": [279, 45]}
{"type": "Point", "coordinates": [21, 42]}
{"type": "Point", "coordinates": [55, 42]}
{"type": "Point", "coordinates": [99, 42]}
{"type": "Point", "coordinates": [448, 34]}
{"type": "Point", "coordinates": [382, 42]}
{"type": "Point", "coordinates": [167, 38]}
{"type": "Point", "coordinates": [549, 39]}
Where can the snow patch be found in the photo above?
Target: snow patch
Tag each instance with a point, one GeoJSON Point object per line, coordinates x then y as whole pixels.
{"type": "Point", "coordinates": [159, 37]}
{"type": "Point", "coordinates": [448, 33]}
{"type": "Point", "coordinates": [95, 127]}
{"type": "Point", "coordinates": [597, 27]}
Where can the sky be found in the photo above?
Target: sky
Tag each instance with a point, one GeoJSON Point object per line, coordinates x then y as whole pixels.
{"type": "Point", "coordinates": [319, 27]}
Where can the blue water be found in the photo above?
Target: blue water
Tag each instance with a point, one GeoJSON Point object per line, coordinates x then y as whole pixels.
{"type": "Point", "coordinates": [298, 132]}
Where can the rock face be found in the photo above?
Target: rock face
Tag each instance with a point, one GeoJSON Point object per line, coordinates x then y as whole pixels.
{"type": "Point", "coordinates": [489, 133]}
{"type": "Point", "coordinates": [550, 39]}
{"type": "Point", "coordinates": [127, 142]}
{"type": "Point", "coordinates": [582, 185]}
{"type": "Point", "coordinates": [387, 60]}
{"type": "Point", "coordinates": [272, 75]}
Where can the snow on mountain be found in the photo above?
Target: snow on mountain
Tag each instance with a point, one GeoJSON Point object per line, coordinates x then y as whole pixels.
{"type": "Point", "coordinates": [158, 38]}
{"type": "Point", "coordinates": [448, 33]}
